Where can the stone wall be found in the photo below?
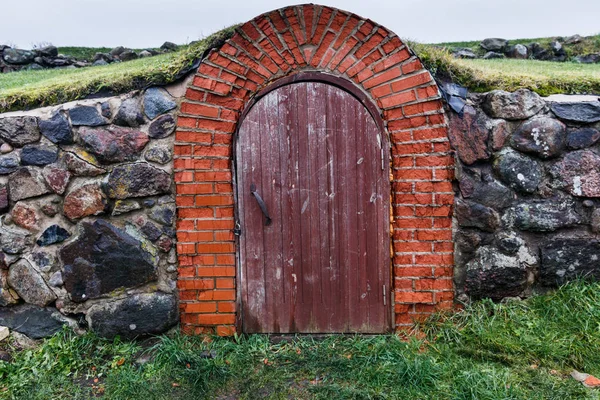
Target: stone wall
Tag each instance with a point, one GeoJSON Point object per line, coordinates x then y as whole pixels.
{"type": "Point", "coordinates": [527, 210]}
{"type": "Point", "coordinates": [87, 225]}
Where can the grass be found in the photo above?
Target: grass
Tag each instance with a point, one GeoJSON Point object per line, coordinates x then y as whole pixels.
{"type": "Point", "coordinates": [30, 89]}
{"type": "Point", "coordinates": [516, 350]}
{"type": "Point", "coordinates": [88, 53]}
{"type": "Point", "coordinates": [543, 77]}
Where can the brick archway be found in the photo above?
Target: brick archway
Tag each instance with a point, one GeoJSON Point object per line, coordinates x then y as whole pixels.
{"type": "Point", "coordinates": [275, 45]}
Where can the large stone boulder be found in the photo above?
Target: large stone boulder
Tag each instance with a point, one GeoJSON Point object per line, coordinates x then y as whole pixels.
{"type": "Point", "coordinates": [32, 321]}
{"type": "Point", "coordinates": [84, 200]}
{"type": "Point", "coordinates": [487, 191]}
{"type": "Point", "coordinates": [114, 144]}
{"type": "Point", "coordinates": [104, 258]}
{"type": "Point", "coordinates": [583, 112]}
{"type": "Point", "coordinates": [137, 180]}
{"type": "Point", "coordinates": [29, 284]}
{"type": "Point", "coordinates": [492, 274]}
{"type": "Point", "coordinates": [546, 216]}
{"type": "Point", "coordinates": [518, 105]}
{"type": "Point", "coordinates": [469, 135]}
{"type": "Point", "coordinates": [474, 215]}
{"type": "Point", "coordinates": [517, 51]}
{"type": "Point", "coordinates": [139, 315]}
{"type": "Point", "coordinates": [542, 136]}
{"type": "Point", "coordinates": [25, 183]}
{"type": "Point", "coordinates": [579, 172]}
{"type": "Point", "coordinates": [518, 171]}
{"type": "Point", "coordinates": [57, 129]}
{"type": "Point", "coordinates": [494, 44]}
{"type": "Point", "coordinates": [565, 259]}
{"type": "Point", "coordinates": [19, 131]}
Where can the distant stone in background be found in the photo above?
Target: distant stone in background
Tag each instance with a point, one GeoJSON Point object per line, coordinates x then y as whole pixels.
{"type": "Point", "coordinates": [48, 51]}
{"type": "Point", "coordinates": [18, 56]}
{"type": "Point", "coordinates": [492, 54]}
{"type": "Point", "coordinates": [494, 44]}
{"type": "Point", "coordinates": [117, 51]}
{"type": "Point", "coordinates": [573, 39]}
{"type": "Point", "coordinates": [168, 46]}
{"type": "Point", "coordinates": [128, 55]}
{"type": "Point", "coordinates": [145, 53]}
{"type": "Point", "coordinates": [464, 53]}
{"type": "Point", "coordinates": [588, 59]}
{"type": "Point", "coordinates": [517, 51]}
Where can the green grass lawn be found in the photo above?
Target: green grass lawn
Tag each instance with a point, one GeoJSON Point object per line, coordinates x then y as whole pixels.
{"type": "Point", "coordinates": [516, 350]}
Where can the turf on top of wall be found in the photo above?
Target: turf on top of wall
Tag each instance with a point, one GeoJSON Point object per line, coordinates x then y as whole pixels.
{"type": "Point", "coordinates": [31, 89]}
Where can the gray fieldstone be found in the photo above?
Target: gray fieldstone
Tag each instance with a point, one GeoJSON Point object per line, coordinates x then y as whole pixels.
{"type": "Point", "coordinates": [25, 183]}
{"type": "Point", "coordinates": [159, 152]}
{"type": "Point", "coordinates": [9, 163]}
{"type": "Point", "coordinates": [157, 101]}
{"type": "Point", "coordinates": [32, 321]}
{"type": "Point", "coordinates": [474, 215]}
{"type": "Point", "coordinates": [8, 296]}
{"type": "Point", "coordinates": [517, 105]}
{"type": "Point", "coordinates": [104, 258]}
{"type": "Point", "coordinates": [39, 155]}
{"type": "Point", "coordinates": [86, 116]}
{"type": "Point", "coordinates": [139, 315]}
{"type": "Point", "coordinates": [168, 46]}
{"type": "Point", "coordinates": [162, 127]}
{"type": "Point", "coordinates": [125, 206]}
{"type": "Point", "coordinates": [163, 214]}
{"type": "Point", "coordinates": [546, 216]}
{"type": "Point", "coordinates": [14, 240]}
{"type": "Point", "coordinates": [130, 113]}
{"type": "Point", "coordinates": [517, 51]}
{"type": "Point", "coordinates": [518, 171]}
{"type": "Point", "coordinates": [582, 138]}
{"type": "Point", "coordinates": [494, 275]}
{"type": "Point", "coordinates": [29, 284]}
{"type": "Point", "coordinates": [80, 166]}
{"type": "Point", "coordinates": [490, 55]}
{"type": "Point", "coordinates": [128, 55]}
{"type": "Point", "coordinates": [542, 136]}
{"type": "Point", "coordinates": [19, 131]}
{"type": "Point", "coordinates": [582, 112]}
{"type": "Point", "coordinates": [57, 129]}
{"type": "Point", "coordinates": [137, 180]}
{"type": "Point", "coordinates": [565, 259]}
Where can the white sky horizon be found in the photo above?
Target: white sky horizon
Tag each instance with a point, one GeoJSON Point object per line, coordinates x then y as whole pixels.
{"type": "Point", "coordinates": [149, 23]}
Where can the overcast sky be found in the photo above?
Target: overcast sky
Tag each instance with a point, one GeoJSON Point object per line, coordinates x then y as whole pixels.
{"type": "Point", "coordinates": [148, 23]}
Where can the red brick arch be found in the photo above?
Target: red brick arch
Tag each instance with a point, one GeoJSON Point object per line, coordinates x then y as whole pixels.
{"type": "Point", "coordinates": [275, 45]}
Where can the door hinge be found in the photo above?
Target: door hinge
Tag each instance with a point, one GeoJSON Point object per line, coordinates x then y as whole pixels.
{"type": "Point", "coordinates": [382, 162]}
{"type": "Point", "coordinates": [237, 230]}
{"type": "Point", "coordinates": [384, 296]}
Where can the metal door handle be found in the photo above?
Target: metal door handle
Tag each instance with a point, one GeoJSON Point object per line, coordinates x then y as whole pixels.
{"type": "Point", "coordinates": [261, 204]}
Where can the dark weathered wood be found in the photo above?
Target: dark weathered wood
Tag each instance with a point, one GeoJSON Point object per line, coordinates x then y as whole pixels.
{"type": "Point", "coordinates": [314, 153]}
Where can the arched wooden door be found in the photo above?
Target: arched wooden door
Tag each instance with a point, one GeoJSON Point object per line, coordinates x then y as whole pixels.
{"type": "Point", "coordinates": [309, 155]}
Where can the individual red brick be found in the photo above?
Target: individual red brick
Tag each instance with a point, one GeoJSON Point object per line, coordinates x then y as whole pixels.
{"type": "Point", "coordinates": [225, 330]}
{"type": "Point", "coordinates": [216, 319]}
{"type": "Point", "coordinates": [215, 247]}
{"type": "Point", "coordinates": [414, 297]}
